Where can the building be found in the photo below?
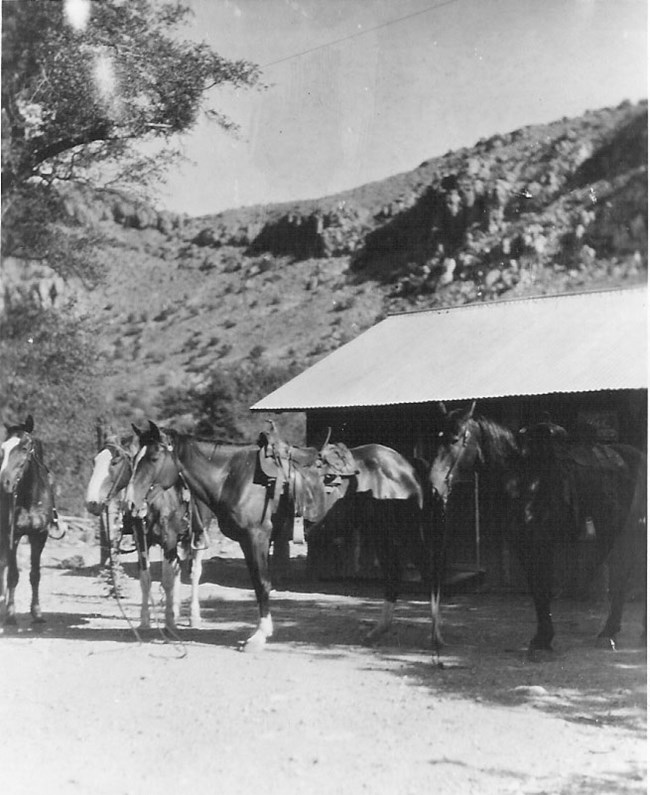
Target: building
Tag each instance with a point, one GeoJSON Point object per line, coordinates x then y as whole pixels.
{"type": "Point", "coordinates": [581, 358]}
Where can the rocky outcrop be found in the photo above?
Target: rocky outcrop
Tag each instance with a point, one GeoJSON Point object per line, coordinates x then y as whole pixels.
{"type": "Point", "coordinates": [91, 207]}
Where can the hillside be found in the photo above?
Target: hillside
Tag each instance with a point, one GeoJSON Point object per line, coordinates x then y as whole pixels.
{"type": "Point", "coordinates": [542, 209]}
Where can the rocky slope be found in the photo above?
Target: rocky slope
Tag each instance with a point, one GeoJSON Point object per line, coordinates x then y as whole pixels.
{"type": "Point", "coordinates": [543, 209]}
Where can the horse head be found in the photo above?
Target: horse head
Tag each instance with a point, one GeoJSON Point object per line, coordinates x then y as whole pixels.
{"type": "Point", "coordinates": [18, 450]}
{"type": "Point", "coordinates": [155, 465]}
{"type": "Point", "coordinates": [112, 467]}
{"type": "Point", "coordinates": [539, 441]}
{"type": "Point", "coordinates": [458, 451]}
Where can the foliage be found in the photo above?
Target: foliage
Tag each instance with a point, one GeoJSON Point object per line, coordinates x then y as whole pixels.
{"type": "Point", "coordinates": [77, 96]}
{"type": "Point", "coordinates": [49, 367]}
{"type": "Point", "coordinates": [80, 98]}
{"type": "Point", "coordinates": [219, 405]}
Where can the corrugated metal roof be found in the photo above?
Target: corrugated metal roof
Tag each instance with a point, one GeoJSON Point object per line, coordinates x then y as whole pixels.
{"type": "Point", "coordinates": [568, 343]}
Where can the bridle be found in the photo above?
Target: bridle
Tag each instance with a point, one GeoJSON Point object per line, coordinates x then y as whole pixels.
{"type": "Point", "coordinates": [125, 463]}
{"type": "Point", "coordinates": [449, 476]}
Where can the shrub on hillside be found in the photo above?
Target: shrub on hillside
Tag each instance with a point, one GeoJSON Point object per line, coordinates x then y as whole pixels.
{"type": "Point", "coordinates": [221, 402]}
{"type": "Point", "coordinates": [49, 369]}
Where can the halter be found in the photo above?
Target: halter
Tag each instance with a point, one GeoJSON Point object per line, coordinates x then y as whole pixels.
{"type": "Point", "coordinates": [454, 465]}
{"type": "Point", "coordinates": [125, 461]}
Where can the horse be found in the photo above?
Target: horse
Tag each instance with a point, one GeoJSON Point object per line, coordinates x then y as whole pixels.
{"type": "Point", "coordinates": [395, 504]}
{"type": "Point", "coordinates": [552, 488]}
{"type": "Point", "coordinates": [26, 509]}
{"type": "Point", "coordinates": [170, 520]}
{"type": "Point", "coordinates": [254, 490]}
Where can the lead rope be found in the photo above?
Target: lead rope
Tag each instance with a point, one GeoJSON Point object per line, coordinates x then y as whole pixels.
{"type": "Point", "coordinates": [437, 638]}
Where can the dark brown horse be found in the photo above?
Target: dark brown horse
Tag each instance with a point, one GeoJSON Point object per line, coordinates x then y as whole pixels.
{"type": "Point", "coordinates": [255, 491]}
{"type": "Point", "coordinates": [170, 519]}
{"type": "Point", "coordinates": [26, 509]}
{"type": "Point", "coordinates": [552, 489]}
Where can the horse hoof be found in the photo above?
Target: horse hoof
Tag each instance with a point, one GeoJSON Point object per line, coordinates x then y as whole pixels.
{"type": "Point", "coordinates": [38, 619]}
{"type": "Point", "coordinates": [609, 644]}
{"type": "Point", "coordinates": [11, 620]}
{"type": "Point", "coordinates": [539, 654]}
{"type": "Point", "coordinates": [253, 645]}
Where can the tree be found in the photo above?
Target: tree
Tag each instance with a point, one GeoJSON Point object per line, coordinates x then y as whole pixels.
{"type": "Point", "coordinates": [83, 85]}
{"type": "Point", "coordinates": [78, 97]}
{"type": "Point", "coordinates": [77, 94]}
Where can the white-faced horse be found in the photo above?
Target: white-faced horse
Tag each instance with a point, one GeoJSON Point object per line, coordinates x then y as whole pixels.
{"type": "Point", "coordinates": [170, 518]}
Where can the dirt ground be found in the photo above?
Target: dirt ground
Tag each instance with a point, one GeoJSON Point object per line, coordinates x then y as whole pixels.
{"type": "Point", "coordinates": [87, 708]}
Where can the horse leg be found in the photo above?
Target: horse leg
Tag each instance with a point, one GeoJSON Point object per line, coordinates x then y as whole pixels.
{"type": "Point", "coordinates": [389, 563]}
{"type": "Point", "coordinates": [195, 578]}
{"type": "Point", "coordinates": [255, 545]}
{"type": "Point", "coordinates": [4, 567]}
{"type": "Point", "coordinates": [621, 564]}
{"type": "Point", "coordinates": [536, 557]}
{"type": "Point", "coordinates": [171, 570]}
{"type": "Point", "coordinates": [145, 577]}
{"type": "Point", "coordinates": [37, 542]}
{"type": "Point", "coordinates": [12, 582]}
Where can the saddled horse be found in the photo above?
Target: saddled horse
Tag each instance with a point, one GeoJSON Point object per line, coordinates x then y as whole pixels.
{"type": "Point", "coordinates": [254, 490]}
{"type": "Point", "coordinates": [26, 509]}
{"type": "Point", "coordinates": [170, 519]}
{"type": "Point", "coordinates": [553, 489]}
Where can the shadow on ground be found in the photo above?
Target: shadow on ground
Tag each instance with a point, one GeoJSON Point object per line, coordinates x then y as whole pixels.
{"type": "Point", "coordinates": [484, 657]}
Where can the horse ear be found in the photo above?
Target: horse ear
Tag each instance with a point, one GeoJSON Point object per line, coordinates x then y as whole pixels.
{"type": "Point", "coordinates": [29, 423]}
{"type": "Point", "coordinates": [471, 411]}
{"type": "Point", "coordinates": [327, 438]}
{"type": "Point", "coordinates": [137, 431]}
{"type": "Point", "coordinates": [155, 431]}
{"type": "Point", "coordinates": [442, 407]}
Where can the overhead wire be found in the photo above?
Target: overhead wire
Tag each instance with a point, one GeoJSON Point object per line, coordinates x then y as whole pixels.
{"type": "Point", "coordinates": [359, 33]}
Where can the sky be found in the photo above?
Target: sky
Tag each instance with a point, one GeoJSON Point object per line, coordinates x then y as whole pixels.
{"type": "Point", "coordinates": [359, 90]}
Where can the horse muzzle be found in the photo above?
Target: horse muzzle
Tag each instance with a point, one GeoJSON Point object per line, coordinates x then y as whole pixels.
{"type": "Point", "coordinates": [94, 507]}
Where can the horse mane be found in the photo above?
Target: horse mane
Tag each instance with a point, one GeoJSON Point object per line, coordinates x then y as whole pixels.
{"type": "Point", "coordinates": [498, 444]}
{"type": "Point", "coordinates": [184, 440]}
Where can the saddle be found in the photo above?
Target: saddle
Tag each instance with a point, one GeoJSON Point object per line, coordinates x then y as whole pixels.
{"type": "Point", "coordinates": [339, 460]}
{"type": "Point", "coordinates": [269, 464]}
{"type": "Point", "coordinates": [578, 463]}
{"type": "Point", "coordinates": [594, 456]}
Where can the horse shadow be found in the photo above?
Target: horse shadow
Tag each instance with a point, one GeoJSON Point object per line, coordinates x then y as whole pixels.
{"type": "Point", "coordinates": [486, 659]}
